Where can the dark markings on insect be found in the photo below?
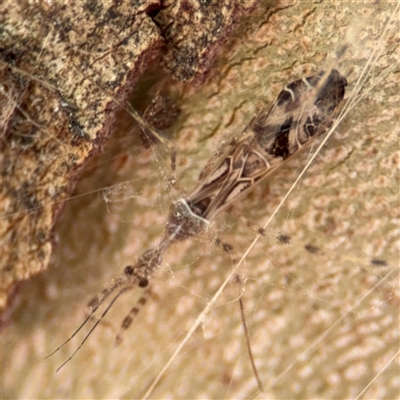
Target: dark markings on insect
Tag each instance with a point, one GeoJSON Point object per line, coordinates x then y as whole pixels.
{"type": "Point", "coordinates": [304, 109]}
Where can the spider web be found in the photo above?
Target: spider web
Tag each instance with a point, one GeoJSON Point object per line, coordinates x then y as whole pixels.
{"type": "Point", "coordinates": [320, 325]}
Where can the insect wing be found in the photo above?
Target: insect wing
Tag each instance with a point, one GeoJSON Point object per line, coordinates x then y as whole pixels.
{"type": "Point", "coordinates": [301, 111]}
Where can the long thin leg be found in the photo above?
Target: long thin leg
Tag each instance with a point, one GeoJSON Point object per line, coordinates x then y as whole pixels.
{"type": "Point", "coordinates": [228, 249]}
{"type": "Point", "coordinates": [248, 345]}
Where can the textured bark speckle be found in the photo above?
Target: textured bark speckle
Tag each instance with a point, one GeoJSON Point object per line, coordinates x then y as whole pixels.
{"type": "Point", "coordinates": [322, 325]}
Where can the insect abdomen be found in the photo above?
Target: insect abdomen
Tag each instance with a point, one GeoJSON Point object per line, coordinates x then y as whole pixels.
{"type": "Point", "coordinates": [301, 111]}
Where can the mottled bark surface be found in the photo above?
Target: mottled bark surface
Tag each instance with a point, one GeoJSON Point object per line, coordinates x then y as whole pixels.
{"type": "Point", "coordinates": [195, 31]}
{"type": "Point", "coordinates": [64, 67]}
{"type": "Point", "coordinates": [65, 70]}
{"type": "Point", "coordinates": [322, 326]}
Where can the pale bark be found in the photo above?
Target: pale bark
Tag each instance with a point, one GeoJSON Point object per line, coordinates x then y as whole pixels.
{"type": "Point", "coordinates": [347, 203]}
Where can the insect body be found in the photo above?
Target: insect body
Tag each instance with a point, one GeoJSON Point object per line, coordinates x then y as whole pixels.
{"type": "Point", "coordinates": [303, 110]}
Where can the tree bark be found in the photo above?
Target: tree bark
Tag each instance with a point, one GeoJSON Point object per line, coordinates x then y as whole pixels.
{"type": "Point", "coordinates": [322, 325]}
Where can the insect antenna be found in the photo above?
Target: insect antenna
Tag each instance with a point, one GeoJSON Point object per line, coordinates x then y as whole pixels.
{"type": "Point", "coordinates": [95, 306]}
{"type": "Point", "coordinates": [104, 294]}
{"type": "Point", "coordinates": [73, 335]}
{"type": "Point", "coordinates": [121, 292]}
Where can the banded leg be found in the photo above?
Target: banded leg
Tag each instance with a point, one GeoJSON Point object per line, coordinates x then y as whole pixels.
{"type": "Point", "coordinates": [286, 239]}
{"type": "Point", "coordinates": [127, 321]}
